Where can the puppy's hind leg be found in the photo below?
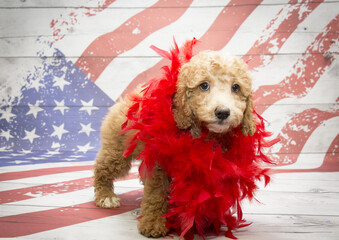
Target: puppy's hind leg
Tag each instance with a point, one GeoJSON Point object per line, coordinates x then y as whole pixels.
{"type": "Point", "coordinates": [154, 205]}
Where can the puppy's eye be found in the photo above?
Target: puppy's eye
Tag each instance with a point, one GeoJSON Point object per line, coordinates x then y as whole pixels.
{"type": "Point", "coordinates": [235, 88]}
{"type": "Point", "coordinates": [204, 86]}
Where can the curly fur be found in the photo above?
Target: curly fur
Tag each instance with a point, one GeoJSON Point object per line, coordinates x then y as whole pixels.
{"type": "Point", "coordinates": [193, 109]}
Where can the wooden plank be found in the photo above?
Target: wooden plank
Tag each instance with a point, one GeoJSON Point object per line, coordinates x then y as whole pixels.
{"type": "Point", "coordinates": [122, 4]}
{"type": "Point", "coordinates": [295, 207]}
{"type": "Point", "coordinates": [16, 32]}
{"type": "Point", "coordinates": [289, 227]}
{"type": "Point", "coordinates": [63, 183]}
{"type": "Point", "coordinates": [306, 160]}
{"type": "Point", "coordinates": [27, 22]}
{"type": "Point", "coordinates": [46, 179]}
{"type": "Point", "coordinates": [264, 227]}
{"type": "Point", "coordinates": [294, 203]}
{"type": "Point", "coordinates": [19, 40]}
{"type": "Point", "coordinates": [309, 176]}
{"type": "Point", "coordinates": [18, 46]}
{"type": "Point", "coordinates": [95, 4]}
{"type": "Point", "coordinates": [41, 221]}
{"type": "Point", "coordinates": [44, 167]}
{"type": "Point", "coordinates": [75, 4]}
{"type": "Point", "coordinates": [285, 182]}
{"type": "Point", "coordinates": [53, 201]}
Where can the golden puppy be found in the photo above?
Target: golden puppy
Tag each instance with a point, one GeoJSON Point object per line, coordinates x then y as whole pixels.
{"type": "Point", "coordinates": [214, 92]}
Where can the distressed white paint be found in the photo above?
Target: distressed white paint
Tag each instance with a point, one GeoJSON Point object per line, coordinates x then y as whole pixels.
{"type": "Point", "coordinates": [121, 71]}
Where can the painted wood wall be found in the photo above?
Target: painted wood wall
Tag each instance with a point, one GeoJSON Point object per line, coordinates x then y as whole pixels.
{"type": "Point", "coordinates": [63, 63]}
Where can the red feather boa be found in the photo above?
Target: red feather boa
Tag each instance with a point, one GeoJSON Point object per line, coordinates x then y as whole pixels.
{"type": "Point", "coordinates": [207, 184]}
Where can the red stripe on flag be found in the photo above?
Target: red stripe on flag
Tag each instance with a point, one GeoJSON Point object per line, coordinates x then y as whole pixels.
{"type": "Point", "coordinates": [106, 3]}
{"type": "Point", "coordinates": [306, 72]}
{"type": "Point", "coordinates": [298, 130]}
{"type": "Point", "coordinates": [55, 188]}
{"type": "Point", "coordinates": [35, 222]}
{"type": "Point", "coordinates": [331, 160]}
{"type": "Point", "coordinates": [110, 45]}
{"type": "Point", "coordinates": [216, 37]}
{"type": "Point", "coordinates": [279, 35]}
{"type": "Point", "coordinates": [43, 190]}
{"type": "Point", "coordinates": [330, 163]}
{"type": "Point", "coordinates": [227, 23]}
{"type": "Point", "coordinates": [42, 172]}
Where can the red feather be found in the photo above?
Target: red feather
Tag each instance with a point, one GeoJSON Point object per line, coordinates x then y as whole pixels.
{"type": "Point", "coordinates": [207, 184]}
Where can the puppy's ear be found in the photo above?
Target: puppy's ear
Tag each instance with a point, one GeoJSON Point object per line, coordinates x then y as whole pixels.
{"type": "Point", "coordinates": [181, 110]}
{"type": "Point", "coordinates": [248, 121]}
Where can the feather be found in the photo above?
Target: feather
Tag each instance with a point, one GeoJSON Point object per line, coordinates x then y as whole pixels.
{"type": "Point", "coordinates": [208, 184]}
{"type": "Point", "coordinates": [161, 52]}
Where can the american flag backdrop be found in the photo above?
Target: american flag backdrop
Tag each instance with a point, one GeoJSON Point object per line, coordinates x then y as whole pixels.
{"type": "Point", "coordinates": [64, 63]}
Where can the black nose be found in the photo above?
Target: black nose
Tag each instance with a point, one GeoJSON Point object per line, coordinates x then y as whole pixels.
{"type": "Point", "coordinates": [222, 114]}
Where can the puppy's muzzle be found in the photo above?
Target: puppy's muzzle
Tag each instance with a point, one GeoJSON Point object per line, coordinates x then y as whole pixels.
{"type": "Point", "coordinates": [222, 114]}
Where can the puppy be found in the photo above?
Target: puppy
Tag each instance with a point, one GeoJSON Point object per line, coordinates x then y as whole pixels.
{"type": "Point", "coordinates": [213, 92]}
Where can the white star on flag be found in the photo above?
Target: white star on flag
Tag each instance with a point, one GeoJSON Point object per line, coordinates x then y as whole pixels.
{"type": "Point", "coordinates": [36, 84]}
{"type": "Point", "coordinates": [60, 82]}
{"type": "Point", "coordinates": [86, 129]}
{"type": "Point", "coordinates": [59, 131]}
{"type": "Point", "coordinates": [6, 134]}
{"type": "Point", "coordinates": [88, 106]}
{"type": "Point", "coordinates": [85, 148]}
{"type": "Point", "coordinates": [7, 114]}
{"type": "Point", "coordinates": [60, 106]}
{"type": "Point", "coordinates": [30, 135]}
{"type": "Point", "coordinates": [34, 110]}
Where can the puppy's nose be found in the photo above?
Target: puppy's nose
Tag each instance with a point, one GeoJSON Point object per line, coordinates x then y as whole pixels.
{"type": "Point", "coordinates": [222, 114]}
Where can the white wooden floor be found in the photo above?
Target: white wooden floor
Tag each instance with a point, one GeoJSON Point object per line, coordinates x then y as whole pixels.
{"type": "Point", "coordinates": [63, 63]}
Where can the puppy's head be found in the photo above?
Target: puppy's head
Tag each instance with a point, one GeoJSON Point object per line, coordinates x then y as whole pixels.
{"type": "Point", "coordinates": [214, 91]}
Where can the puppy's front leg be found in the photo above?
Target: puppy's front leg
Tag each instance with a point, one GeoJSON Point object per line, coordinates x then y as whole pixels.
{"type": "Point", "coordinates": [154, 205]}
{"type": "Point", "coordinates": [110, 163]}
{"type": "Point", "coordinates": [106, 169]}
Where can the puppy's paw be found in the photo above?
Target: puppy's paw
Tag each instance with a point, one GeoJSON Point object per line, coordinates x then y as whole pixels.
{"type": "Point", "coordinates": [108, 202]}
{"type": "Point", "coordinates": [153, 229]}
